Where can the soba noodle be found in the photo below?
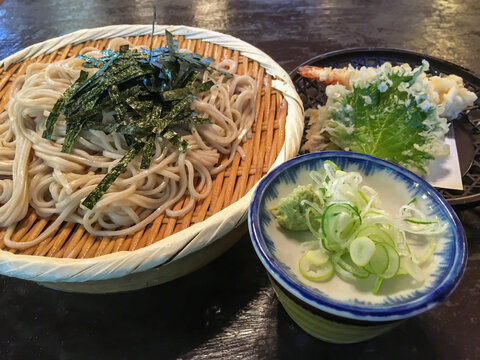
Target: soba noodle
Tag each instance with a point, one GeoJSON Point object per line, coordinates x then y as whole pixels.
{"type": "Point", "coordinates": [34, 172]}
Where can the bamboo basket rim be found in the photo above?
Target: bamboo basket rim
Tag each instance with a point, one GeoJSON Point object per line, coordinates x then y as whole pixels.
{"type": "Point", "coordinates": [122, 263]}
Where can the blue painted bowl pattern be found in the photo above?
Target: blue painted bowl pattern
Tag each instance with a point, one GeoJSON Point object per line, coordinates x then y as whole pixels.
{"type": "Point", "coordinates": [279, 250]}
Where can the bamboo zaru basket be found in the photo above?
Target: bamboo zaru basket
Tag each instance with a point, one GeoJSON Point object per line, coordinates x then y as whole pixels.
{"type": "Point", "coordinates": [74, 260]}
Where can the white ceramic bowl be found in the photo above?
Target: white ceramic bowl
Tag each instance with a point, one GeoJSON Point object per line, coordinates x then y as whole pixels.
{"type": "Point", "coordinates": [337, 310]}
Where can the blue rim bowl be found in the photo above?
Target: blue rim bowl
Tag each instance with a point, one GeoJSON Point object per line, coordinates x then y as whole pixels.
{"type": "Point", "coordinates": [448, 271]}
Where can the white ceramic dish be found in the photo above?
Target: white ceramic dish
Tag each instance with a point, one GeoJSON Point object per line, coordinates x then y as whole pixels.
{"type": "Point", "coordinates": [279, 250]}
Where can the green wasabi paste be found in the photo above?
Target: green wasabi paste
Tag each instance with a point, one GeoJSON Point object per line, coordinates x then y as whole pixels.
{"type": "Point", "coordinates": [289, 212]}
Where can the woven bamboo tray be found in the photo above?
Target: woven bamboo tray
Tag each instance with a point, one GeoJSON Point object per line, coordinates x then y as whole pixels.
{"type": "Point", "coordinates": [75, 260]}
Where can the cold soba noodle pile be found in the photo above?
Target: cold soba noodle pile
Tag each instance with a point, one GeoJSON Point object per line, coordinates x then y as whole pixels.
{"type": "Point", "coordinates": [34, 171]}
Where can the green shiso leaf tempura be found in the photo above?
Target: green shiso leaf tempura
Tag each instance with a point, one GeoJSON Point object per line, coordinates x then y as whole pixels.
{"type": "Point", "coordinates": [394, 112]}
{"type": "Point", "coordinates": [389, 117]}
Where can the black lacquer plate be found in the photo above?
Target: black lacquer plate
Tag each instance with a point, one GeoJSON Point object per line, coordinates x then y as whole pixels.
{"type": "Point", "coordinates": [466, 126]}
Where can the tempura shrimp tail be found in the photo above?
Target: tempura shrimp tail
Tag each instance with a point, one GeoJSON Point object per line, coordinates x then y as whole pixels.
{"type": "Point", "coordinates": [326, 75]}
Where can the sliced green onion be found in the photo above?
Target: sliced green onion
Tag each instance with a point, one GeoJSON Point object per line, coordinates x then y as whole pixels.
{"type": "Point", "coordinates": [317, 257]}
{"type": "Point", "coordinates": [332, 164]}
{"type": "Point", "coordinates": [315, 272]}
{"type": "Point", "coordinates": [361, 250]}
{"type": "Point", "coordinates": [379, 261]}
{"type": "Point", "coordinates": [311, 222]}
{"type": "Point", "coordinates": [420, 222]}
{"type": "Point", "coordinates": [357, 239]}
{"type": "Point", "coordinates": [432, 246]}
{"type": "Point", "coordinates": [378, 282]}
{"type": "Point", "coordinates": [375, 233]}
{"type": "Point", "coordinates": [393, 262]}
{"type": "Point", "coordinates": [412, 269]}
{"type": "Point", "coordinates": [362, 195]}
{"type": "Point", "coordinates": [343, 261]}
{"type": "Point", "coordinates": [339, 222]}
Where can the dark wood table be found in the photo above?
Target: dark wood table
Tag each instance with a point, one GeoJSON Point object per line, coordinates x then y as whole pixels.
{"type": "Point", "coordinates": [227, 310]}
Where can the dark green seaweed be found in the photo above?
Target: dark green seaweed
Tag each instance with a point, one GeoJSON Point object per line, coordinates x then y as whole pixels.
{"type": "Point", "coordinates": [150, 94]}
{"type": "Point", "coordinates": [108, 180]}
{"type": "Point", "coordinates": [176, 140]}
{"type": "Point", "coordinates": [91, 62]}
{"type": "Point", "coordinates": [172, 45]}
{"type": "Point", "coordinates": [57, 108]}
{"type": "Point", "coordinates": [147, 152]}
{"type": "Point", "coordinates": [153, 31]}
{"type": "Point", "coordinates": [73, 131]}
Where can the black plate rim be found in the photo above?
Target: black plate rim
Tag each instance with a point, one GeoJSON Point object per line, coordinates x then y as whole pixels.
{"type": "Point", "coordinates": [465, 201]}
{"type": "Point", "coordinates": [388, 52]}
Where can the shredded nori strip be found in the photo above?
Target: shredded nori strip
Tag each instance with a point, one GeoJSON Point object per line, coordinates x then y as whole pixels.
{"type": "Point", "coordinates": [176, 140]}
{"type": "Point", "coordinates": [150, 94]}
{"type": "Point", "coordinates": [202, 87]}
{"type": "Point", "coordinates": [73, 130]}
{"type": "Point", "coordinates": [177, 94]}
{"type": "Point", "coordinates": [141, 106]}
{"type": "Point", "coordinates": [153, 30]}
{"type": "Point", "coordinates": [154, 116]}
{"type": "Point", "coordinates": [91, 62]}
{"type": "Point", "coordinates": [147, 153]}
{"type": "Point", "coordinates": [188, 80]}
{"type": "Point", "coordinates": [181, 93]}
{"type": "Point", "coordinates": [108, 180]}
{"type": "Point", "coordinates": [130, 129]}
{"type": "Point", "coordinates": [57, 108]}
{"type": "Point", "coordinates": [172, 45]}
{"type": "Point", "coordinates": [170, 117]}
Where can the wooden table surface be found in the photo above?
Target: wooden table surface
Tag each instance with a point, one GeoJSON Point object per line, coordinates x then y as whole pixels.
{"type": "Point", "coordinates": [227, 310]}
